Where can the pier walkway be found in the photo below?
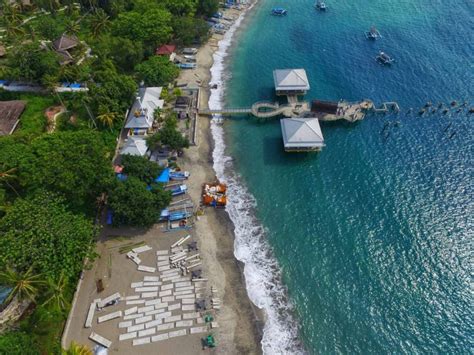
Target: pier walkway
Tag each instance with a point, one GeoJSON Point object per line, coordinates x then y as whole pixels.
{"type": "Point", "coordinates": [263, 109]}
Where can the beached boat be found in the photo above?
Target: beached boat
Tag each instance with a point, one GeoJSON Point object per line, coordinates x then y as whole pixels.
{"type": "Point", "coordinates": [373, 34]}
{"type": "Point", "coordinates": [384, 58]}
{"type": "Point", "coordinates": [187, 65]}
{"type": "Point", "coordinates": [320, 5]}
{"type": "Point", "coordinates": [279, 11]}
{"type": "Point", "coordinates": [179, 190]}
{"type": "Point", "coordinates": [178, 215]}
{"type": "Point", "coordinates": [179, 175]}
{"type": "Point", "coordinates": [190, 51]}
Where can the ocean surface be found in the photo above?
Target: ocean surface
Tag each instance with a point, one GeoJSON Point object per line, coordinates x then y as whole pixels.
{"type": "Point", "coordinates": [368, 246]}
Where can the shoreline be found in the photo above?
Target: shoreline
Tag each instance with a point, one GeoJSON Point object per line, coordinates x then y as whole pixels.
{"type": "Point", "coordinates": [241, 322]}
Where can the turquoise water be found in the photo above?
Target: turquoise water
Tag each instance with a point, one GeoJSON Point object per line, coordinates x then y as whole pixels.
{"type": "Point", "coordinates": [374, 235]}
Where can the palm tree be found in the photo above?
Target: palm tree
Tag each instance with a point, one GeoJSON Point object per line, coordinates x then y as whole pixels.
{"type": "Point", "coordinates": [24, 285]}
{"type": "Point", "coordinates": [77, 349]}
{"type": "Point", "coordinates": [99, 22]}
{"type": "Point", "coordinates": [107, 118]}
{"type": "Point", "coordinates": [56, 293]}
{"type": "Point", "coordinates": [73, 27]}
{"type": "Point", "coordinates": [6, 175]}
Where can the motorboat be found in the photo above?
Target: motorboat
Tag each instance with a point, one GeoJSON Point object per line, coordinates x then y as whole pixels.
{"type": "Point", "coordinates": [320, 5]}
{"type": "Point", "coordinates": [384, 58]}
{"type": "Point", "coordinates": [373, 34]}
{"type": "Point", "coordinates": [279, 11]}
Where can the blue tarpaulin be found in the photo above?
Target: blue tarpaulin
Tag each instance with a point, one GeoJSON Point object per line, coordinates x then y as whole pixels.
{"type": "Point", "coordinates": [110, 217]}
{"type": "Point", "coordinates": [121, 177]}
{"type": "Point", "coordinates": [164, 176]}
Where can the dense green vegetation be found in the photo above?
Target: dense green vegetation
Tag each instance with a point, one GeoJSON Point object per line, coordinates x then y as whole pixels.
{"type": "Point", "coordinates": [39, 233]}
{"type": "Point", "coordinates": [50, 183]}
{"type": "Point", "coordinates": [136, 205]}
{"type": "Point", "coordinates": [141, 168]}
{"type": "Point", "coordinates": [168, 136]}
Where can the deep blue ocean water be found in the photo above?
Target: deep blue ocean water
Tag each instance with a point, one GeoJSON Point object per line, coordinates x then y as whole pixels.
{"type": "Point", "coordinates": [374, 235]}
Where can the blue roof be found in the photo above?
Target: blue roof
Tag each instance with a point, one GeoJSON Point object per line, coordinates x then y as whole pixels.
{"type": "Point", "coordinates": [164, 176]}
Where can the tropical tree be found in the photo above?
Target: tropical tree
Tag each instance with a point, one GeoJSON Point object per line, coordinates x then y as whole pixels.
{"type": "Point", "coordinates": [140, 167]}
{"type": "Point", "coordinates": [152, 27]}
{"type": "Point", "coordinates": [77, 349]}
{"type": "Point", "coordinates": [136, 204]}
{"type": "Point", "coordinates": [157, 71]}
{"type": "Point", "coordinates": [107, 118]}
{"type": "Point", "coordinates": [74, 164]}
{"type": "Point", "coordinates": [6, 175]}
{"type": "Point", "coordinates": [73, 27]}
{"type": "Point", "coordinates": [25, 285]}
{"type": "Point", "coordinates": [99, 22]}
{"type": "Point", "coordinates": [39, 235]}
{"type": "Point", "coordinates": [56, 292]}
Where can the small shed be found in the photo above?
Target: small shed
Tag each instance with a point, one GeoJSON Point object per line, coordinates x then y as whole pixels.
{"type": "Point", "coordinates": [301, 134]}
{"type": "Point", "coordinates": [290, 81]}
{"type": "Point", "coordinates": [182, 105]}
{"type": "Point", "coordinates": [168, 50]}
{"type": "Point", "coordinates": [10, 112]}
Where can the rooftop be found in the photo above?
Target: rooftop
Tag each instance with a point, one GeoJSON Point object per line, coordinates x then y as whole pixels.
{"type": "Point", "coordinates": [150, 101]}
{"type": "Point", "coordinates": [290, 80]}
{"type": "Point", "coordinates": [301, 133]}
{"type": "Point", "coordinates": [166, 49]}
{"type": "Point", "coordinates": [10, 112]}
{"type": "Point", "coordinates": [65, 42]}
{"type": "Point", "coordinates": [134, 146]}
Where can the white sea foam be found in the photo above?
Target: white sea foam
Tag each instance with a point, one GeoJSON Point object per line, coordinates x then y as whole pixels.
{"type": "Point", "coordinates": [262, 275]}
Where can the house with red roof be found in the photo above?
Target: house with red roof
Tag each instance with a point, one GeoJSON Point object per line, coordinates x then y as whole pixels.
{"type": "Point", "coordinates": [167, 50]}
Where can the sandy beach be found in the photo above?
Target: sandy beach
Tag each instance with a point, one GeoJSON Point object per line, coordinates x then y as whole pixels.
{"type": "Point", "coordinates": [240, 323]}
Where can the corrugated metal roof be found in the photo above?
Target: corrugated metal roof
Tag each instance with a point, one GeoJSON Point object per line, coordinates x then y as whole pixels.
{"type": "Point", "coordinates": [134, 146]}
{"type": "Point", "coordinates": [290, 79]}
{"type": "Point", "coordinates": [301, 132]}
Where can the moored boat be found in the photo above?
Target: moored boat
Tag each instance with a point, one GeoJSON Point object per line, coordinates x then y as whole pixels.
{"type": "Point", "coordinates": [320, 5]}
{"type": "Point", "coordinates": [279, 11]}
{"type": "Point", "coordinates": [384, 58]}
{"type": "Point", "coordinates": [373, 34]}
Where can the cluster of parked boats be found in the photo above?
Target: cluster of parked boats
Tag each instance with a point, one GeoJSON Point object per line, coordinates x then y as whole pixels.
{"type": "Point", "coordinates": [280, 11]}
{"type": "Point", "coordinates": [372, 34]}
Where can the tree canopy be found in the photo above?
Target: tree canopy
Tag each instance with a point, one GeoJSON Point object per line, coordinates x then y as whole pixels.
{"type": "Point", "coordinates": [39, 233]}
{"type": "Point", "coordinates": [152, 26]}
{"type": "Point", "coordinates": [157, 71]}
{"type": "Point", "coordinates": [168, 136]}
{"type": "Point", "coordinates": [140, 167]}
{"type": "Point", "coordinates": [30, 62]}
{"type": "Point", "coordinates": [75, 164]}
{"type": "Point", "coordinates": [135, 205]}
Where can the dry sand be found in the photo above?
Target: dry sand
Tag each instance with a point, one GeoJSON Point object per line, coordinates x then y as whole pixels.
{"type": "Point", "coordinates": [240, 323]}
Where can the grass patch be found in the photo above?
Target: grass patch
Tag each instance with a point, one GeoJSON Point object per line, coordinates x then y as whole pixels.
{"type": "Point", "coordinates": [33, 120]}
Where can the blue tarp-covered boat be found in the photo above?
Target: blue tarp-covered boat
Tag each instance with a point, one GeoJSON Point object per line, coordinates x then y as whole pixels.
{"type": "Point", "coordinates": [164, 176]}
